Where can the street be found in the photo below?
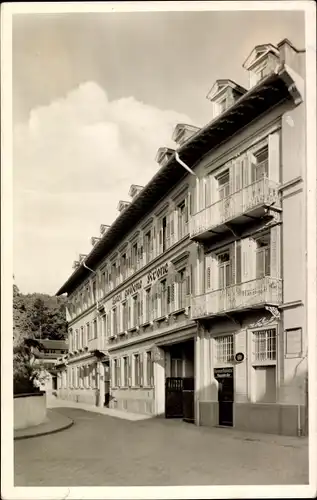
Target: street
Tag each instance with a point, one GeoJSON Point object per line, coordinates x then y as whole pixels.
{"type": "Point", "coordinates": [99, 450]}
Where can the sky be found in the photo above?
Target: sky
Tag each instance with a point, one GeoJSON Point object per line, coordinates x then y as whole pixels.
{"type": "Point", "coordinates": [94, 97]}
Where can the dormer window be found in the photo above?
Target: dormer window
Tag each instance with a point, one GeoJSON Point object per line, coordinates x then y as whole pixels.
{"type": "Point", "coordinates": [261, 62]}
{"type": "Point", "coordinates": [183, 132]}
{"type": "Point", "coordinates": [223, 94]}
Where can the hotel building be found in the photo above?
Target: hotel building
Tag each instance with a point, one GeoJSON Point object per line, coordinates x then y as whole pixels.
{"type": "Point", "coordinates": [192, 303]}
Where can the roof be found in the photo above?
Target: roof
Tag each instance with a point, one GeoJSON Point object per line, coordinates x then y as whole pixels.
{"type": "Point", "coordinates": [54, 344]}
{"type": "Point", "coordinates": [269, 92]}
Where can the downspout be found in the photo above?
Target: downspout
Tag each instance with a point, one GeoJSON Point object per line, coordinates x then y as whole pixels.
{"type": "Point", "coordinates": [89, 269]}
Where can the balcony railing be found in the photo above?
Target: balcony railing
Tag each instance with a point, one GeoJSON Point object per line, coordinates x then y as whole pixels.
{"type": "Point", "coordinates": [263, 192]}
{"type": "Point", "coordinates": [250, 294]}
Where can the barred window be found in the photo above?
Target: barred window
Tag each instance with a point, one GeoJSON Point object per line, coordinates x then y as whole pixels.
{"type": "Point", "coordinates": [265, 345]}
{"type": "Point", "coordinates": [224, 348]}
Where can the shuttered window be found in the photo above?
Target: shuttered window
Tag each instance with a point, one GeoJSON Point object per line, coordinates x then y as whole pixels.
{"type": "Point", "coordinates": [147, 304]}
{"type": "Point", "coordinates": [260, 164]}
{"type": "Point", "coordinates": [124, 316]}
{"type": "Point", "coordinates": [224, 269]}
{"type": "Point", "coordinates": [263, 256]}
{"type": "Point", "coordinates": [163, 298]}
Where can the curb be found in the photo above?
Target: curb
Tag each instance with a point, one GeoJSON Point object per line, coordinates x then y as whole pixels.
{"type": "Point", "coordinates": [45, 433]}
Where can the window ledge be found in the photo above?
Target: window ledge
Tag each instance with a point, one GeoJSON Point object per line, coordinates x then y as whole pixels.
{"type": "Point", "coordinates": [267, 362]}
{"type": "Point", "coordinates": [179, 311]}
{"type": "Point", "coordinates": [146, 323]}
{"type": "Point", "coordinates": [162, 318]}
{"type": "Point", "coordinates": [133, 329]}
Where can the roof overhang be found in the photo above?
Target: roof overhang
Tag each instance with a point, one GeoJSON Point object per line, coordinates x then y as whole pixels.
{"type": "Point", "coordinates": [271, 91]}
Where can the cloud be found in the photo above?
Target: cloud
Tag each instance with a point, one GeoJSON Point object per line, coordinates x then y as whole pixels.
{"type": "Point", "coordinates": [73, 161]}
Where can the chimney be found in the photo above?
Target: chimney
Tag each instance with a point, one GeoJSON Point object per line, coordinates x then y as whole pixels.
{"type": "Point", "coordinates": [76, 264]}
{"type": "Point", "coordinates": [135, 190]}
{"type": "Point", "coordinates": [292, 57]}
{"type": "Point", "coordinates": [163, 155]}
{"type": "Point", "coordinates": [122, 205]}
{"type": "Point", "coordinates": [103, 229]}
{"type": "Point", "coordinates": [94, 240]}
{"type": "Point", "coordinates": [183, 132]}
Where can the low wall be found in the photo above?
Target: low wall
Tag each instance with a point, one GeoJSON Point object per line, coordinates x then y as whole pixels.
{"type": "Point", "coordinates": [29, 410]}
{"type": "Point", "coordinates": [275, 418]}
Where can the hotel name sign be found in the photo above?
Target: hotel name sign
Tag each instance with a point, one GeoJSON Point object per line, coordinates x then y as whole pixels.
{"type": "Point", "coordinates": [151, 277]}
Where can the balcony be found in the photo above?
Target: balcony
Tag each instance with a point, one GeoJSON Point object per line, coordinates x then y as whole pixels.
{"type": "Point", "coordinates": [249, 295]}
{"type": "Point", "coordinates": [237, 209]}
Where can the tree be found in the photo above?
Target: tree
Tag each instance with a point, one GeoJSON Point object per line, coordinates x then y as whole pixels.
{"type": "Point", "coordinates": [35, 316]}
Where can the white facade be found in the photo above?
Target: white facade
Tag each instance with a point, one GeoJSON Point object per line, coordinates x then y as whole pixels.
{"type": "Point", "coordinates": [209, 270]}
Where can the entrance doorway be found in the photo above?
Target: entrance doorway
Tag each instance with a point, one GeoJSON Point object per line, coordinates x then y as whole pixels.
{"type": "Point", "coordinates": [180, 382]}
{"type": "Point", "coordinates": [224, 377]}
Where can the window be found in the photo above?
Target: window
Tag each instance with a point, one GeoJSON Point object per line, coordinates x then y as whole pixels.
{"type": "Point", "coordinates": [136, 311]}
{"type": "Point", "coordinates": [125, 371]}
{"type": "Point", "coordinates": [95, 332]}
{"type": "Point", "coordinates": [114, 275]}
{"type": "Point", "coordinates": [223, 185]}
{"type": "Point", "coordinates": [82, 340]}
{"type": "Point", "coordinates": [182, 210]}
{"type": "Point", "coordinates": [260, 164]}
{"type": "Point", "coordinates": [147, 304]}
{"type": "Point", "coordinates": [182, 288]}
{"type": "Point", "coordinates": [116, 372]}
{"type": "Point", "coordinates": [163, 297]}
{"type": "Point", "coordinates": [176, 367]}
{"type": "Point", "coordinates": [224, 267]}
{"type": "Point", "coordinates": [163, 234]}
{"type": "Point", "coordinates": [137, 370]}
{"type": "Point", "coordinates": [105, 326]}
{"type": "Point", "coordinates": [124, 266]}
{"type": "Point", "coordinates": [88, 331]}
{"type": "Point", "coordinates": [94, 291]}
{"type": "Point", "coordinates": [265, 345]}
{"type": "Point", "coordinates": [222, 105]}
{"type": "Point", "coordinates": [263, 258]}
{"type": "Point", "coordinates": [114, 321]}
{"type": "Point", "coordinates": [149, 369]}
{"type": "Point", "coordinates": [77, 339]}
{"type": "Point", "coordinates": [134, 256]}
{"type": "Point", "coordinates": [124, 316]}
{"type": "Point", "coordinates": [224, 348]}
{"type": "Point", "coordinates": [148, 243]}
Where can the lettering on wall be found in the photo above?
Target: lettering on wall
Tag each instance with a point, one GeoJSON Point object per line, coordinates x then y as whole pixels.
{"type": "Point", "coordinates": [157, 273]}
{"type": "Point", "coordinates": [116, 298]}
{"type": "Point", "coordinates": [133, 288]}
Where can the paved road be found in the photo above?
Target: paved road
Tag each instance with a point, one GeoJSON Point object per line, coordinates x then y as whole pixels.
{"type": "Point", "coordinates": [104, 451]}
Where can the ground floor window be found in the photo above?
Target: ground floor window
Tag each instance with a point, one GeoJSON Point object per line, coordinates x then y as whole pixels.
{"type": "Point", "coordinates": [137, 369]}
{"type": "Point", "coordinates": [149, 369]}
{"type": "Point", "coordinates": [224, 348]}
{"type": "Point", "coordinates": [265, 344]}
{"type": "Point", "coordinates": [125, 371]}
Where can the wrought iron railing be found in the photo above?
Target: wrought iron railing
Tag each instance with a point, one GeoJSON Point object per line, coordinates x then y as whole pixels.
{"type": "Point", "coordinates": [265, 290]}
{"type": "Point", "coordinates": [261, 192]}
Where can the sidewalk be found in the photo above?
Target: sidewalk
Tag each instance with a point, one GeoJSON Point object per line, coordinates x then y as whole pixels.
{"type": "Point", "coordinates": [55, 422]}
{"type": "Point", "coordinates": [63, 403]}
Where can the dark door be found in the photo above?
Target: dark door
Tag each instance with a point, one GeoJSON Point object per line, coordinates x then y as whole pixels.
{"type": "Point", "coordinates": [188, 399]}
{"type": "Point", "coordinates": [224, 376]}
{"type": "Point", "coordinates": [174, 397]}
